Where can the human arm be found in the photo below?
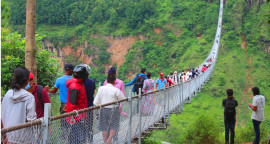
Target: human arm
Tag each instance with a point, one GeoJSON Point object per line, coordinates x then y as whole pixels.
{"type": "Point", "coordinates": [144, 87]}
{"type": "Point", "coordinates": [122, 88]}
{"type": "Point", "coordinates": [73, 96]}
{"type": "Point", "coordinates": [105, 82]}
{"type": "Point", "coordinates": [31, 109]}
{"type": "Point", "coordinates": [254, 108]}
{"type": "Point", "coordinates": [132, 82]}
{"type": "Point", "coordinates": [97, 100]}
{"type": "Point", "coordinates": [56, 87]}
{"type": "Point", "coordinates": [156, 84]}
{"type": "Point", "coordinates": [47, 88]}
{"type": "Point", "coordinates": [254, 105]}
{"type": "Point", "coordinates": [120, 96]}
{"type": "Point", "coordinates": [223, 103]}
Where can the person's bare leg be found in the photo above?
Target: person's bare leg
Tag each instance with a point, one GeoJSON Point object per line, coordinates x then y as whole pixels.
{"type": "Point", "coordinates": [104, 134]}
{"type": "Point", "coordinates": [109, 140]}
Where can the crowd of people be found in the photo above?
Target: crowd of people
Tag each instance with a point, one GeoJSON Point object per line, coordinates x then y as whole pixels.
{"type": "Point", "coordinates": [25, 101]}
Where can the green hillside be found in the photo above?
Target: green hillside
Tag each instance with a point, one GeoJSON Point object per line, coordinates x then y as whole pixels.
{"type": "Point", "coordinates": [177, 35]}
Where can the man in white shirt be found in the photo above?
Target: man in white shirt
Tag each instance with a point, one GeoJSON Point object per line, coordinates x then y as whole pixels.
{"type": "Point", "coordinates": [109, 115]}
{"type": "Point", "coordinates": [258, 112]}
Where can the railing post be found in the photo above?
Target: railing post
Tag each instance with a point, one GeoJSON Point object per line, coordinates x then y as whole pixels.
{"type": "Point", "coordinates": [140, 114]}
{"type": "Point", "coordinates": [129, 116]}
{"type": "Point", "coordinates": [47, 117]}
{"type": "Point", "coordinates": [189, 91]}
{"type": "Point", "coordinates": [99, 84]}
{"type": "Point", "coordinates": [164, 115]}
{"type": "Point", "coordinates": [168, 104]}
{"type": "Point", "coordinates": [199, 87]}
{"type": "Point", "coordinates": [182, 101]}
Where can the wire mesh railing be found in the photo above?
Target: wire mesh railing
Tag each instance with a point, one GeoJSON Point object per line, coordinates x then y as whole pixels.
{"type": "Point", "coordinates": [99, 124]}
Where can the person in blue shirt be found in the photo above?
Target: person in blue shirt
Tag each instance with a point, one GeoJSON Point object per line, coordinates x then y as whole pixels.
{"type": "Point", "coordinates": [142, 74]}
{"type": "Point", "coordinates": [61, 85]}
{"type": "Point", "coordinates": [161, 82]}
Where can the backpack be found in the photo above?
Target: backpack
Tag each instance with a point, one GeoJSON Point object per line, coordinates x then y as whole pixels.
{"type": "Point", "coordinates": [230, 109]}
{"type": "Point", "coordinates": [138, 83]}
{"type": "Point", "coordinates": [39, 95]}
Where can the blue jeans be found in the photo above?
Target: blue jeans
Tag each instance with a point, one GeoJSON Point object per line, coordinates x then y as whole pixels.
{"type": "Point", "coordinates": [256, 125]}
{"type": "Point", "coordinates": [229, 126]}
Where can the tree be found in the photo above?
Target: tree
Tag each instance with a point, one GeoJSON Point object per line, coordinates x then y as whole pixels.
{"type": "Point", "coordinates": [5, 16]}
{"type": "Point", "coordinates": [12, 56]}
{"type": "Point", "coordinates": [30, 41]}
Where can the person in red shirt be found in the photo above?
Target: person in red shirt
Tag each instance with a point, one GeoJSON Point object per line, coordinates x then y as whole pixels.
{"type": "Point", "coordinates": [40, 94]}
{"type": "Point", "coordinates": [204, 68]}
{"type": "Point", "coordinates": [76, 100]}
{"type": "Point", "coordinates": [169, 82]}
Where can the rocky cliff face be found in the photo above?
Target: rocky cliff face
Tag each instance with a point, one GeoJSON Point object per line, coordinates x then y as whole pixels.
{"type": "Point", "coordinates": [118, 48]}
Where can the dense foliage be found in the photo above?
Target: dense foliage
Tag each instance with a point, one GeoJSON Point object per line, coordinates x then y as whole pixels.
{"type": "Point", "coordinates": [12, 56]}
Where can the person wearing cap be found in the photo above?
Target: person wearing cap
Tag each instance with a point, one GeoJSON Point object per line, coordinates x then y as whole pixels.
{"type": "Point", "coordinates": [118, 83]}
{"type": "Point", "coordinates": [61, 85]}
{"type": "Point", "coordinates": [142, 74]}
{"type": "Point", "coordinates": [161, 82]}
{"type": "Point", "coordinates": [40, 94]}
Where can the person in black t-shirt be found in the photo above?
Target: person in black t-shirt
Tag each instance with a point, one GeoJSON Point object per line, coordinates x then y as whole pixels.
{"type": "Point", "coordinates": [229, 105]}
{"type": "Point", "coordinates": [90, 88]}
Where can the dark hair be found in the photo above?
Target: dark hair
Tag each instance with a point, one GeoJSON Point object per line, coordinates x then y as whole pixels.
{"type": "Point", "coordinates": [20, 77]}
{"type": "Point", "coordinates": [255, 91]}
{"type": "Point", "coordinates": [111, 78]}
{"type": "Point", "coordinates": [182, 70]}
{"type": "Point", "coordinates": [229, 92]}
{"type": "Point", "coordinates": [166, 77]}
{"type": "Point", "coordinates": [143, 70]}
{"type": "Point", "coordinates": [171, 73]}
{"type": "Point", "coordinates": [149, 75]}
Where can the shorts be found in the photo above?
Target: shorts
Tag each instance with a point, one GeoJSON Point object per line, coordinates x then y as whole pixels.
{"type": "Point", "coordinates": [109, 119]}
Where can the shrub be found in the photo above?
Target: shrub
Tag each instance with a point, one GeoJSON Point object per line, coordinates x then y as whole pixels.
{"type": "Point", "coordinates": [205, 130]}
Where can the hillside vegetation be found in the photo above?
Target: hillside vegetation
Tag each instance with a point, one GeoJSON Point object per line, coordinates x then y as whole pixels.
{"type": "Point", "coordinates": [177, 35]}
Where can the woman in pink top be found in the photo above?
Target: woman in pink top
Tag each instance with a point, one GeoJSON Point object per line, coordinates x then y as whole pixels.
{"type": "Point", "coordinates": [118, 83]}
{"type": "Point", "coordinates": [148, 103]}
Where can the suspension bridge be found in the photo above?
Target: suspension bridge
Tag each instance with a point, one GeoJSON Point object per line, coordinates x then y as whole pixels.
{"type": "Point", "coordinates": [54, 129]}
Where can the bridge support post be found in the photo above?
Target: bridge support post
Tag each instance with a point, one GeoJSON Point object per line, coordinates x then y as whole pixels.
{"type": "Point", "coordinates": [179, 96]}
{"type": "Point", "coordinates": [168, 106]}
{"type": "Point", "coordinates": [129, 116]}
{"type": "Point", "coordinates": [182, 97]}
{"type": "Point", "coordinates": [164, 107]}
{"type": "Point", "coordinates": [189, 92]}
{"type": "Point", "coordinates": [140, 115]}
{"type": "Point", "coordinates": [47, 117]}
